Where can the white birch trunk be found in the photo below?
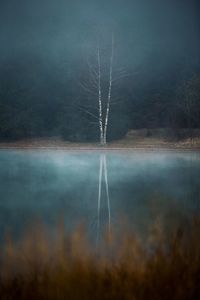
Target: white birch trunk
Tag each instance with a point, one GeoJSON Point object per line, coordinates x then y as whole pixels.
{"type": "Point", "coordinates": [109, 91]}
{"type": "Point", "coordinates": [100, 98]}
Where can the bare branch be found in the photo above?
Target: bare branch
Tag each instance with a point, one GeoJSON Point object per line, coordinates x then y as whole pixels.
{"type": "Point", "coordinates": [88, 112]}
{"type": "Point", "coordinates": [87, 89]}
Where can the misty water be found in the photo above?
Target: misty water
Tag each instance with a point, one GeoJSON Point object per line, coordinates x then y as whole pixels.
{"type": "Point", "coordinates": [96, 188]}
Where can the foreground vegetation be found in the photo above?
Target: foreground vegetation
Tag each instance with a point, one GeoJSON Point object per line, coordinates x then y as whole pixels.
{"type": "Point", "coordinates": [59, 266]}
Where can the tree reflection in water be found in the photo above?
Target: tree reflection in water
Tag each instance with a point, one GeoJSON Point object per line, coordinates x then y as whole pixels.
{"type": "Point", "coordinates": [103, 178]}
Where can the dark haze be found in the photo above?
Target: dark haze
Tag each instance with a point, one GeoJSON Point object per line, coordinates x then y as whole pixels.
{"type": "Point", "coordinates": [44, 49]}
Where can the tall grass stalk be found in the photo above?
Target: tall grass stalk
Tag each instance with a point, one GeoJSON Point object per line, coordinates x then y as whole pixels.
{"type": "Point", "coordinates": [67, 266]}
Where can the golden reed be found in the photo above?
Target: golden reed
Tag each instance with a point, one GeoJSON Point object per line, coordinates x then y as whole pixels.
{"type": "Point", "coordinates": [162, 265]}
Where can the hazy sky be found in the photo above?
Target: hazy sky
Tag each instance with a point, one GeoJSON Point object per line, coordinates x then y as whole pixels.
{"type": "Point", "coordinates": [66, 28]}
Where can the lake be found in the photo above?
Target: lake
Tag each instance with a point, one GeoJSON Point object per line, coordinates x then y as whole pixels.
{"type": "Point", "coordinates": [98, 188]}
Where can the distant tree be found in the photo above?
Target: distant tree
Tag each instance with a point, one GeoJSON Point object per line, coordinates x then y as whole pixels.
{"type": "Point", "coordinates": [188, 101]}
{"type": "Point", "coordinates": [99, 83]}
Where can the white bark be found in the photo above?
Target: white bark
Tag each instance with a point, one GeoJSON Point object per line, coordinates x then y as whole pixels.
{"type": "Point", "coordinates": [109, 91]}
{"type": "Point", "coordinates": [100, 98]}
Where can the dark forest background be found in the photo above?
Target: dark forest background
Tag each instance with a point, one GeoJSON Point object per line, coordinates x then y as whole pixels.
{"type": "Point", "coordinates": [43, 54]}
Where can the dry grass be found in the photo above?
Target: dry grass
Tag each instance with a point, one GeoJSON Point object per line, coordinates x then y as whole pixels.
{"type": "Point", "coordinates": [62, 267]}
{"type": "Point", "coordinates": [158, 138]}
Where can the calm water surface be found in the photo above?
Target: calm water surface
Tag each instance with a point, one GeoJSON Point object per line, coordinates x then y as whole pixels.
{"type": "Point", "coordinates": [96, 188]}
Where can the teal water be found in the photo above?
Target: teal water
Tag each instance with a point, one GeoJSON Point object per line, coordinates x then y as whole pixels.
{"type": "Point", "coordinates": [139, 187]}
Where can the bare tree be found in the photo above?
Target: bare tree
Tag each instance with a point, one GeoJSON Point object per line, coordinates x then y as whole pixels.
{"type": "Point", "coordinates": [99, 87]}
{"type": "Point", "coordinates": [100, 97]}
{"type": "Point", "coordinates": [109, 92]}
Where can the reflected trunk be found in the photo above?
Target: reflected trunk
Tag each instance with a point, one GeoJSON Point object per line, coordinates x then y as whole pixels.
{"type": "Point", "coordinates": [103, 178]}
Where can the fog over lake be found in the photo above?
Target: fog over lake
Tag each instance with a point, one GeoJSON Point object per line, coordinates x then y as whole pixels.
{"type": "Point", "coordinates": [141, 186]}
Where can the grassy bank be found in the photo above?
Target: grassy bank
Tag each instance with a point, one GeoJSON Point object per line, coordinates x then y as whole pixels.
{"type": "Point", "coordinates": [134, 139]}
{"type": "Point", "coordinates": [163, 266]}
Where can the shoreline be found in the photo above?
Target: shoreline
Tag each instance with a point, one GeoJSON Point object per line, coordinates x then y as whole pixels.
{"type": "Point", "coordinates": [109, 149]}
{"type": "Point", "coordinates": [134, 144]}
